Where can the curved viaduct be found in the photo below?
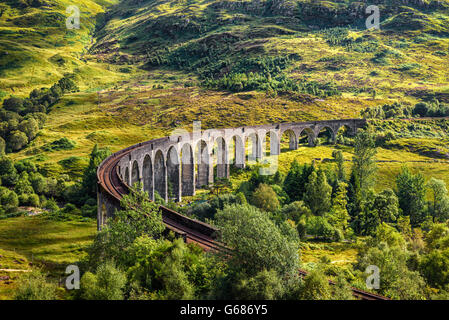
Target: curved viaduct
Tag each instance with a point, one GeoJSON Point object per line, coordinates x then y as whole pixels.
{"type": "Point", "coordinates": [160, 162]}
{"type": "Point", "coordinates": [178, 165]}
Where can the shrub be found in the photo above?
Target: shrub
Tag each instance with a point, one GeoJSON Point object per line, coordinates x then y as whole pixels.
{"type": "Point", "coordinates": [34, 286]}
{"type": "Point", "coordinates": [17, 140]}
{"type": "Point", "coordinates": [106, 284]}
{"type": "Point", "coordinates": [265, 198]}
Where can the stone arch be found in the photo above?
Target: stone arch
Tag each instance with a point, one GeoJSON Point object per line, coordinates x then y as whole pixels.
{"type": "Point", "coordinates": [147, 176]}
{"type": "Point", "coordinates": [187, 171]}
{"type": "Point", "coordinates": [160, 175]}
{"type": "Point", "coordinates": [271, 143]}
{"type": "Point", "coordinates": [202, 164]}
{"type": "Point", "coordinates": [221, 167]}
{"type": "Point", "coordinates": [127, 175]}
{"type": "Point", "coordinates": [173, 174]}
{"type": "Point", "coordinates": [236, 151]}
{"type": "Point", "coordinates": [253, 147]}
{"type": "Point", "coordinates": [135, 175]}
{"type": "Point", "coordinates": [307, 135]}
{"type": "Point", "coordinates": [325, 135]}
{"type": "Point", "coordinates": [345, 129]}
{"type": "Point", "coordinates": [344, 132]}
{"type": "Point", "coordinates": [289, 136]}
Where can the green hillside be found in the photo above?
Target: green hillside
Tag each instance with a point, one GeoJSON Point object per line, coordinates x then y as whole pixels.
{"type": "Point", "coordinates": [159, 65]}
{"type": "Point", "coordinates": [36, 48]}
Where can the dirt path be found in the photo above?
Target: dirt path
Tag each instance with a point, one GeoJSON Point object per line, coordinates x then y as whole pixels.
{"type": "Point", "coordinates": [14, 270]}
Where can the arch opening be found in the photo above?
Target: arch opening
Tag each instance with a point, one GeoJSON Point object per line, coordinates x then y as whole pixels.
{"type": "Point", "coordinates": [147, 176]}
{"type": "Point", "coordinates": [236, 152]}
{"type": "Point", "coordinates": [253, 148]}
{"type": "Point", "coordinates": [187, 171]}
{"type": "Point", "coordinates": [271, 145]}
{"type": "Point", "coordinates": [220, 159]}
{"type": "Point", "coordinates": [160, 175]}
{"type": "Point", "coordinates": [289, 140]}
{"type": "Point", "coordinates": [173, 175]}
{"type": "Point", "coordinates": [127, 175]}
{"type": "Point", "coordinates": [325, 136]}
{"type": "Point", "coordinates": [135, 179]}
{"type": "Point", "coordinates": [202, 164]}
{"type": "Point", "coordinates": [306, 137]}
{"type": "Point", "coordinates": [344, 135]}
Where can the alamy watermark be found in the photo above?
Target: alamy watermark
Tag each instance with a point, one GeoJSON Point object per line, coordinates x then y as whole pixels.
{"type": "Point", "coordinates": [373, 280]}
{"type": "Point", "coordinates": [73, 21]}
{"type": "Point", "coordinates": [72, 282]}
{"type": "Point", "coordinates": [373, 21]}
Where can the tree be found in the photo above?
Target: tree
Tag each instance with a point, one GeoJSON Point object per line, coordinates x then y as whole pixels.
{"type": "Point", "coordinates": [439, 208]}
{"type": "Point", "coordinates": [295, 211]}
{"type": "Point", "coordinates": [171, 270]}
{"type": "Point", "coordinates": [90, 173]}
{"type": "Point", "coordinates": [318, 193]}
{"type": "Point", "coordinates": [30, 127]}
{"type": "Point", "coordinates": [106, 284]}
{"type": "Point", "coordinates": [38, 182]}
{"type": "Point", "coordinates": [386, 205]}
{"type": "Point", "coordinates": [2, 147]}
{"type": "Point", "coordinates": [265, 285]}
{"type": "Point", "coordinates": [364, 163]}
{"type": "Point", "coordinates": [13, 104]}
{"type": "Point", "coordinates": [139, 217]}
{"type": "Point", "coordinates": [34, 286]}
{"type": "Point", "coordinates": [339, 216]}
{"type": "Point", "coordinates": [421, 109]}
{"type": "Point", "coordinates": [8, 172]}
{"type": "Point", "coordinates": [297, 177]}
{"type": "Point", "coordinates": [220, 184]}
{"type": "Point", "coordinates": [23, 185]}
{"type": "Point", "coordinates": [435, 268]}
{"type": "Point", "coordinates": [265, 198]}
{"type": "Point", "coordinates": [17, 140]}
{"type": "Point", "coordinates": [411, 192]}
{"type": "Point", "coordinates": [256, 241]}
{"type": "Point", "coordinates": [340, 161]}
{"type": "Point", "coordinates": [318, 226]}
{"type": "Point", "coordinates": [396, 281]}
{"type": "Point", "coordinates": [8, 200]}
{"type": "Point", "coordinates": [316, 286]}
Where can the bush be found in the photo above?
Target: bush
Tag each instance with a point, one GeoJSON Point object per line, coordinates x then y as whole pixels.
{"type": "Point", "coordinates": [265, 198]}
{"type": "Point", "coordinates": [9, 200]}
{"type": "Point", "coordinates": [13, 104]}
{"type": "Point", "coordinates": [17, 140]}
{"type": "Point", "coordinates": [30, 128]}
{"type": "Point", "coordinates": [51, 205]}
{"type": "Point", "coordinates": [320, 227]}
{"type": "Point", "coordinates": [107, 284]}
{"type": "Point", "coordinates": [33, 200]}
{"type": "Point", "coordinates": [34, 286]}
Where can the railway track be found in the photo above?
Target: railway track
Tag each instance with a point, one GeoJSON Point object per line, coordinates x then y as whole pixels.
{"type": "Point", "coordinates": [110, 181]}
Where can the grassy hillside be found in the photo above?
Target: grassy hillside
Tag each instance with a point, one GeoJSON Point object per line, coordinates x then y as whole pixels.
{"type": "Point", "coordinates": [36, 48]}
{"type": "Point", "coordinates": [319, 48]}
{"type": "Point", "coordinates": [145, 68]}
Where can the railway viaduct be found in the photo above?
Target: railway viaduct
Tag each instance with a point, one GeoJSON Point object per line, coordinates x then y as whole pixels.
{"type": "Point", "coordinates": [160, 162]}
{"type": "Point", "coordinates": [176, 166]}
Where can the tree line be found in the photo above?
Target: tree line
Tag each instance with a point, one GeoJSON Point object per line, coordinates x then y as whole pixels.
{"type": "Point", "coordinates": [21, 119]}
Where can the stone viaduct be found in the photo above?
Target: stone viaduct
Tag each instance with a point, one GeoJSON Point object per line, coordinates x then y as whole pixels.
{"type": "Point", "coordinates": [176, 166]}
